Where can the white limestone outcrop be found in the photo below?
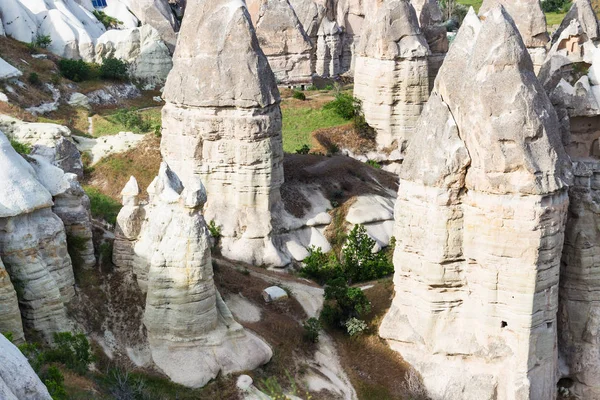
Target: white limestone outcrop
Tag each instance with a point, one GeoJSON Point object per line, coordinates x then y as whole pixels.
{"type": "Point", "coordinates": [192, 334]}
{"type": "Point", "coordinates": [33, 246]}
{"type": "Point", "coordinates": [18, 381]}
{"type": "Point", "coordinates": [7, 71]}
{"type": "Point", "coordinates": [480, 224]}
{"type": "Point", "coordinates": [10, 316]}
{"type": "Point", "coordinates": [391, 73]}
{"type": "Point", "coordinates": [284, 41]}
{"type": "Point", "coordinates": [222, 124]}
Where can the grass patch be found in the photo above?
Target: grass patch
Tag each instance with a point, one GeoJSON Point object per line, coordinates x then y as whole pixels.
{"type": "Point", "coordinates": [476, 4]}
{"type": "Point", "coordinates": [112, 124]}
{"type": "Point", "coordinates": [553, 18]}
{"type": "Point", "coordinates": [102, 206]}
{"type": "Point", "coordinates": [21, 148]}
{"type": "Point", "coordinates": [299, 123]}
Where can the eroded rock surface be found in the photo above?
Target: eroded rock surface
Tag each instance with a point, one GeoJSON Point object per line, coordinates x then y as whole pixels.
{"type": "Point", "coordinates": [192, 334]}
{"type": "Point", "coordinates": [222, 124]}
{"type": "Point", "coordinates": [391, 73]}
{"type": "Point", "coordinates": [479, 225]}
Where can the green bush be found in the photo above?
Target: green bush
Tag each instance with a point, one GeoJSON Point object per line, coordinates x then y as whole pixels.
{"type": "Point", "coordinates": [34, 79]}
{"type": "Point", "coordinates": [312, 328]}
{"type": "Point", "coordinates": [133, 120]}
{"type": "Point", "coordinates": [34, 354]}
{"type": "Point", "coordinates": [374, 164]}
{"type": "Point", "coordinates": [215, 230]}
{"type": "Point", "coordinates": [108, 21]}
{"type": "Point", "coordinates": [113, 68]}
{"type": "Point", "coordinates": [72, 350]}
{"type": "Point", "coordinates": [298, 95]}
{"type": "Point", "coordinates": [54, 381]}
{"type": "Point", "coordinates": [343, 105]}
{"type": "Point", "coordinates": [305, 149]}
{"type": "Point", "coordinates": [556, 6]}
{"type": "Point", "coordinates": [21, 148]}
{"type": "Point", "coordinates": [359, 261]}
{"type": "Point", "coordinates": [343, 302]}
{"type": "Point", "coordinates": [321, 267]}
{"type": "Point", "coordinates": [40, 42]}
{"type": "Point", "coordinates": [355, 326]}
{"type": "Point", "coordinates": [8, 336]}
{"type": "Point", "coordinates": [75, 70]}
{"type": "Point", "coordinates": [103, 206]}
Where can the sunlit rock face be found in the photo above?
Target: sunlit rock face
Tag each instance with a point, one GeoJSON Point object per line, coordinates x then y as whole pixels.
{"type": "Point", "coordinates": [480, 220]}
{"type": "Point", "coordinates": [10, 316]}
{"type": "Point", "coordinates": [391, 73]}
{"type": "Point", "coordinates": [570, 75]}
{"type": "Point", "coordinates": [531, 22]}
{"type": "Point", "coordinates": [284, 41]}
{"type": "Point", "coordinates": [431, 23]}
{"type": "Point", "coordinates": [222, 124]}
{"type": "Point", "coordinates": [192, 335]}
{"type": "Point", "coordinates": [33, 246]}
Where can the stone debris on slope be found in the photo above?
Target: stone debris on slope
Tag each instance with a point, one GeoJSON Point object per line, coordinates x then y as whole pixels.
{"type": "Point", "coordinates": [7, 71]}
{"type": "Point", "coordinates": [479, 225]}
{"type": "Point", "coordinates": [391, 73]}
{"type": "Point", "coordinates": [192, 334]}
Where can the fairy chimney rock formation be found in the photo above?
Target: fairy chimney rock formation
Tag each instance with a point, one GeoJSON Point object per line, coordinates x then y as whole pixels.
{"type": "Point", "coordinates": [479, 225]}
{"type": "Point", "coordinates": [222, 124]}
{"type": "Point", "coordinates": [33, 246]}
{"type": "Point", "coordinates": [531, 22]}
{"type": "Point", "coordinates": [284, 41]}
{"type": "Point", "coordinates": [391, 72]}
{"type": "Point", "coordinates": [192, 335]}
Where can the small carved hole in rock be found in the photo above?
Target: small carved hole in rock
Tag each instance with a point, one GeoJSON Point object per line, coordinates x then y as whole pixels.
{"type": "Point", "coordinates": [595, 151]}
{"type": "Point", "coordinates": [565, 382]}
{"type": "Point", "coordinates": [503, 324]}
{"type": "Point", "coordinates": [548, 325]}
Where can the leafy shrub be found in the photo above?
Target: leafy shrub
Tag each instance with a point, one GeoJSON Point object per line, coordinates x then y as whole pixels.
{"type": "Point", "coordinates": [343, 105]}
{"type": "Point", "coordinates": [40, 42]}
{"type": "Point", "coordinates": [34, 354]}
{"type": "Point", "coordinates": [8, 336]}
{"type": "Point", "coordinates": [102, 206]}
{"type": "Point", "coordinates": [113, 68]}
{"type": "Point", "coordinates": [133, 120]}
{"type": "Point", "coordinates": [54, 381]}
{"type": "Point", "coordinates": [215, 230]}
{"type": "Point", "coordinates": [312, 327]}
{"type": "Point", "coordinates": [298, 95]}
{"type": "Point", "coordinates": [75, 70]}
{"type": "Point", "coordinates": [305, 149]}
{"type": "Point", "coordinates": [374, 164]}
{"type": "Point", "coordinates": [108, 21]}
{"type": "Point", "coordinates": [34, 79]}
{"type": "Point", "coordinates": [21, 148]}
{"type": "Point", "coordinates": [557, 6]}
{"type": "Point", "coordinates": [359, 261]}
{"type": "Point", "coordinates": [321, 267]}
{"type": "Point", "coordinates": [72, 350]}
{"type": "Point", "coordinates": [343, 302]}
{"type": "Point", "coordinates": [355, 326]}
{"type": "Point", "coordinates": [328, 87]}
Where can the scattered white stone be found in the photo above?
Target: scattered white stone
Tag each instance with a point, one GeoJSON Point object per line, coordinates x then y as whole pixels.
{"type": "Point", "coordinates": [274, 293]}
{"type": "Point", "coordinates": [79, 100]}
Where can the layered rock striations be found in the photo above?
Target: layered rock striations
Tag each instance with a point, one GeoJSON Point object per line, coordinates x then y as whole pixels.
{"type": "Point", "coordinates": [284, 41]}
{"type": "Point", "coordinates": [530, 21]}
{"type": "Point", "coordinates": [33, 246]}
{"type": "Point", "coordinates": [192, 335]}
{"type": "Point", "coordinates": [391, 73]}
{"type": "Point", "coordinates": [10, 316]}
{"type": "Point", "coordinates": [570, 75]}
{"type": "Point", "coordinates": [431, 23]}
{"type": "Point", "coordinates": [222, 124]}
{"type": "Point", "coordinates": [480, 224]}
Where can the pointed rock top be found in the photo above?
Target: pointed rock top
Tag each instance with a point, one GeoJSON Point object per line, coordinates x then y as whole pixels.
{"type": "Point", "coordinates": [511, 135]}
{"type": "Point", "coordinates": [279, 29]}
{"type": "Point", "coordinates": [194, 194]}
{"type": "Point", "coordinates": [582, 12]}
{"type": "Point", "coordinates": [528, 17]}
{"type": "Point", "coordinates": [21, 191]}
{"type": "Point", "coordinates": [393, 32]}
{"type": "Point", "coordinates": [131, 188]}
{"type": "Point", "coordinates": [218, 61]}
{"type": "Point", "coordinates": [168, 185]}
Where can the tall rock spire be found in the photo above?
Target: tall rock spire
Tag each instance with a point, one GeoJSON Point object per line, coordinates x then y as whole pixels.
{"type": "Point", "coordinates": [480, 224]}
{"type": "Point", "coordinates": [222, 124]}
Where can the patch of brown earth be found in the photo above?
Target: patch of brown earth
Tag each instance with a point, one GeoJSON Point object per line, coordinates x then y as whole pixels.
{"type": "Point", "coordinates": [112, 173]}
{"type": "Point", "coordinates": [325, 140]}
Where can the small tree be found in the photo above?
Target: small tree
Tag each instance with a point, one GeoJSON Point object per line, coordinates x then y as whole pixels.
{"type": "Point", "coordinates": [360, 263]}
{"type": "Point", "coordinates": [113, 68]}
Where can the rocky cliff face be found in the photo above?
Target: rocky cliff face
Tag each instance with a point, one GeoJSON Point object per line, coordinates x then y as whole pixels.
{"type": "Point", "coordinates": [284, 41]}
{"type": "Point", "coordinates": [530, 21]}
{"type": "Point", "coordinates": [391, 73]}
{"type": "Point", "coordinates": [222, 124]}
{"type": "Point", "coordinates": [192, 334]}
{"type": "Point", "coordinates": [479, 225]}
{"type": "Point", "coordinates": [18, 381]}
{"type": "Point", "coordinates": [33, 245]}
{"type": "Point", "coordinates": [571, 79]}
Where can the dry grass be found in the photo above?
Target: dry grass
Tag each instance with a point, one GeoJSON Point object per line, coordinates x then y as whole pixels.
{"type": "Point", "coordinates": [76, 119]}
{"type": "Point", "coordinates": [112, 173]}
{"type": "Point", "coordinates": [344, 137]}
